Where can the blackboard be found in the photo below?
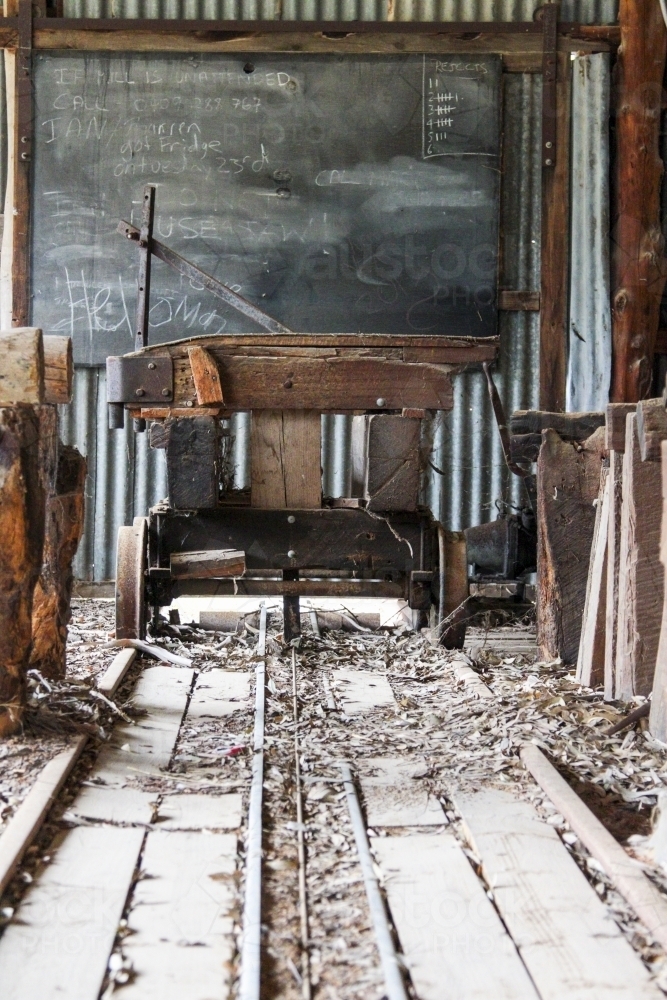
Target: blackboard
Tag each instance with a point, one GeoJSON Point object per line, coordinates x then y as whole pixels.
{"type": "Point", "coordinates": [339, 193]}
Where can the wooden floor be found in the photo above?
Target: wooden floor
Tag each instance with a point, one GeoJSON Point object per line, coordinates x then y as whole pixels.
{"type": "Point", "coordinates": [507, 916]}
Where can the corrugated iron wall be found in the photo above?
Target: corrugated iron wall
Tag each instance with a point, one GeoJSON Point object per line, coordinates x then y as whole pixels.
{"type": "Point", "coordinates": [126, 477]}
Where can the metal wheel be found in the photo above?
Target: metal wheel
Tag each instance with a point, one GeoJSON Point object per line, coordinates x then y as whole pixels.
{"type": "Point", "coordinates": [130, 580]}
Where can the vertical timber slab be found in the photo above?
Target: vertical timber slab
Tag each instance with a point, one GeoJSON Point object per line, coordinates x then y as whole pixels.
{"type": "Point", "coordinates": [641, 574]}
{"type": "Point", "coordinates": [22, 144]}
{"type": "Point", "coordinates": [454, 943]}
{"type": "Point", "coordinates": [615, 481]}
{"type": "Point", "coordinates": [392, 469]}
{"type": "Point", "coordinates": [568, 941]}
{"type": "Point", "coordinates": [590, 663]}
{"type": "Point", "coordinates": [69, 919]}
{"type": "Point", "coordinates": [193, 463]}
{"type": "Point", "coordinates": [456, 590]}
{"type": "Point", "coordinates": [658, 716]}
{"type": "Point", "coordinates": [555, 254]}
{"type": "Point", "coordinates": [285, 459]}
{"type": "Point", "coordinates": [568, 480]}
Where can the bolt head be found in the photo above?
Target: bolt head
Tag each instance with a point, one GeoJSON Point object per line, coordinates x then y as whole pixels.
{"type": "Point", "coordinates": [151, 366]}
{"type": "Point", "coordinates": [140, 392]}
{"type": "Point", "coordinates": [189, 403]}
{"type": "Point", "coordinates": [288, 384]}
{"type": "Point", "coordinates": [291, 519]}
{"type": "Point", "coordinates": [380, 401]}
{"type": "Point", "coordinates": [291, 554]}
{"type": "Point", "coordinates": [166, 392]}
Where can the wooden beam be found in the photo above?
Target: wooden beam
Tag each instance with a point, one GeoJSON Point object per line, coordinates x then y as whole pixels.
{"type": "Point", "coordinates": [511, 301]}
{"type": "Point", "coordinates": [22, 368]}
{"type": "Point", "coordinates": [569, 426]}
{"type": "Point", "coordinates": [285, 459]}
{"type": "Point", "coordinates": [113, 676]}
{"type": "Point", "coordinates": [615, 480]}
{"type": "Point", "coordinates": [615, 420]}
{"type": "Point", "coordinates": [555, 253]}
{"type": "Point", "coordinates": [641, 575]}
{"type": "Point", "coordinates": [212, 563]}
{"type": "Point", "coordinates": [638, 268]}
{"type": "Point", "coordinates": [590, 662]}
{"type": "Point", "coordinates": [335, 384]}
{"type": "Point", "coordinates": [22, 158]}
{"type": "Point", "coordinates": [58, 369]}
{"type": "Point", "coordinates": [205, 376]}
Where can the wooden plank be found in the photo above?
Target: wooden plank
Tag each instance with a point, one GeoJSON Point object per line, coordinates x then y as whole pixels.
{"type": "Point", "coordinates": [555, 253]}
{"type": "Point", "coordinates": [637, 264]}
{"type": "Point", "coordinates": [568, 479]}
{"type": "Point", "coordinates": [613, 569]}
{"type": "Point", "coordinates": [60, 946]}
{"type": "Point", "coordinates": [615, 423]}
{"type": "Point", "coordinates": [590, 662]}
{"type": "Point", "coordinates": [113, 676]}
{"type": "Point", "coordinates": [651, 428]}
{"type": "Point", "coordinates": [393, 462]}
{"type": "Point", "coordinates": [113, 805]}
{"type": "Point", "coordinates": [568, 426]}
{"type": "Point", "coordinates": [515, 301]}
{"type": "Point", "coordinates": [641, 574]}
{"type": "Point", "coordinates": [658, 716]}
{"type": "Point", "coordinates": [219, 693]}
{"type": "Point", "coordinates": [205, 376]}
{"type": "Point", "coordinates": [456, 590]}
{"type": "Point", "coordinates": [58, 369]}
{"type": "Point", "coordinates": [647, 901]}
{"type": "Point", "coordinates": [260, 383]}
{"type": "Point", "coordinates": [181, 918]}
{"type": "Point", "coordinates": [562, 929]}
{"type": "Point", "coordinates": [21, 140]}
{"type": "Point", "coordinates": [285, 459]}
{"type": "Point", "coordinates": [207, 564]}
{"type": "Point", "coordinates": [193, 463]}
{"type": "Point", "coordinates": [393, 795]}
{"type": "Point", "coordinates": [200, 812]}
{"type": "Point", "coordinates": [460, 350]}
{"type": "Point", "coordinates": [28, 818]}
{"type": "Point", "coordinates": [146, 746]}
{"type": "Point", "coordinates": [22, 371]}
{"type": "Point", "coordinates": [359, 691]}
{"type": "Point", "coordinates": [446, 923]}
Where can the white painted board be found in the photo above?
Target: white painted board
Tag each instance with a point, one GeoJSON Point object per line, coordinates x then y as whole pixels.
{"type": "Point", "coordinates": [59, 946]}
{"type": "Point", "coordinates": [103, 804]}
{"type": "Point", "coordinates": [219, 693]}
{"type": "Point", "coordinates": [394, 795]}
{"type": "Point", "coordinates": [454, 943]}
{"type": "Point", "coordinates": [181, 918]}
{"type": "Point", "coordinates": [200, 812]}
{"type": "Point", "coordinates": [568, 939]}
{"type": "Point", "coordinates": [360, 691]}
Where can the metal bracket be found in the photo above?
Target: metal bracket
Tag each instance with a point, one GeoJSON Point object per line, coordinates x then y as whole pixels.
{"type": "Point", "coordinates": [140, 380]}
{"type": "Point", "coordinates": [549, 13]}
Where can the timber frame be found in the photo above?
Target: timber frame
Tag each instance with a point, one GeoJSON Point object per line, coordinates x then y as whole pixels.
{"type": "Point", "coordinates": [540, 46]}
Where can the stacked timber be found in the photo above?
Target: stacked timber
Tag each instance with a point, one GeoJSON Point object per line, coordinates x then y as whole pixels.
{"type": "Point", "coordinates": [35, 375]}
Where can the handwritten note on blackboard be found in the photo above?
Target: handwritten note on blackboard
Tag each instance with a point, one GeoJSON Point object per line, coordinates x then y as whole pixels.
{"type": "Point", "coordinates": [339, 193]}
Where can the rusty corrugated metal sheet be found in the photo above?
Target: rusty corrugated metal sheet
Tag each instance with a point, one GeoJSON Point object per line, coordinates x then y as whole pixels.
{"type": "Point", "coordinates": [589, 363]}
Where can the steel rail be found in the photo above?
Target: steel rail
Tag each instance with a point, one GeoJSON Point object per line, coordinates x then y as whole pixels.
{"type": "Point", "coordinates": [393, 977]}
{"type": "Point", "coordinates": [306, 989]}
{"type": "Point", "coordinates": [249, 982]}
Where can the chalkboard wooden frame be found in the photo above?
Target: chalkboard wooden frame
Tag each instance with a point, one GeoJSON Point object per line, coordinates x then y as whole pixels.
{"type": "Point", "coordinates": [161, 35]}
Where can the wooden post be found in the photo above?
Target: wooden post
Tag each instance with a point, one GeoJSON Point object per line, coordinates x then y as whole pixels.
{"type": "Point", "coordinates": [53, 592]}
{"type": "Point", "coordinates": [658, 716]}
{"type": "Point", "coordinates": [568, 480]}
{"type": "Point", "coordinates": [22, 159]}
{"type": "Point", "coordinates": [22, 534]}
{"type": "Point", "coordinates": [285, 459]}
{"type": "Point", "coordinates": [638, 267]}
{"type": "Point", "coordinates": [590, 663]}
{"type": "Point", "coordinates": [641, 576]}
{"type": "Point", "coordinates": [555, 255]}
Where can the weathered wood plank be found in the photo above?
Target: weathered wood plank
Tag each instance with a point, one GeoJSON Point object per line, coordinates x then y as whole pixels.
{"type": "Point", "coordinates": [26, 822]}
{"type": "Point", "coordinates": [181, 917]}
{"type": "Point", "coordinates": [113, 676]}
{"type": "Point", "coordinates": [590, 662]}
{"type": "Point", "coordinates": [456, 590]}
{"type": "Point", "coordinates": [568, 479]}
{"type": "Point", "coordinates": [641, 574]}
{"type": "Point", "coordinates": [58, 369]}
{"type": "Point", "coordinates": [568, 426]}
{"type": "Point", "coordinates": [392, 468]}
{"type": "Point", "coordinates": [651, 428]}
{"type": "Point", "coordinates": [209, 563]}
{"type": "Point", "coordinates": [393, 795]}
{"type": "Point", "coordinates": [615, 418]}
{"type": "Point", "coordinates": [658, 716]}
{"type": "Point", "coordinates": [205, 376]}
{"type": "Point", "coordinates": [69, 918]}
{"type": "Point", "coordinates": [613, 570]}
{"type": "Point", "coordinates": [562, 929]}
{"type": "Point", "coordinates": [446, 923]}
{"type": "Point", "coordinates": [285, 459]}
{"type": "Point", "coordinates": [261, 383]}
{"type": "Point", "coordinates": [360, 691]}
{"type": "Point", "coordinates": [193, 463]}
{"type": "Point", "coordinates": [22, 371]}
